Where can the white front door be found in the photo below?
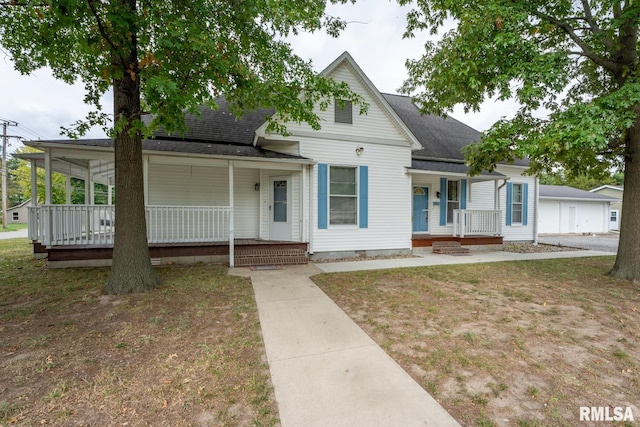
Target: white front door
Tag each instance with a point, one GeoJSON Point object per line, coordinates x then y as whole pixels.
{"type": "Point", "coordinates": [280, 208]}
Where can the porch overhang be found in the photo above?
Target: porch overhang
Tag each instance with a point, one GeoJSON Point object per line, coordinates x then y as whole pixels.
{"type": "Point", "coordinates": [174, 148]}
{"type": "Point", "coordinates": [450, 168]}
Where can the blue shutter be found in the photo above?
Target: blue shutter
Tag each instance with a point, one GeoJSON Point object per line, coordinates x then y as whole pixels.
{"type": "Point", "coordinates": [509, 201]}
{"type": "Point", "coordinates": [463, 194]}
{"type": "Point", "coordinates": [364, 197]}
{"type": "Point", "coordinates": [323, 195]}
{"type": "Point", "coordinates": [443, 201]}
{"type": "Point", "coordinates": [525, 203]}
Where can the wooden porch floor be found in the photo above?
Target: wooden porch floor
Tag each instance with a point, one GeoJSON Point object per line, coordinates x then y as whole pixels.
{"type": "Point", "coordinates": [426, 240]}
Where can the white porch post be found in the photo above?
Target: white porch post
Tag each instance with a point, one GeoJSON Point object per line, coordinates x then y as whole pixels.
{"type": "Point", "coordinates": [47, 177]}
{"type": "Point", "coordinates": [110, 194]}
{"type": "Point", "coordinates": [87, 187]}
{"type": "Point", "coordinates": [231, 225]}
{"type": "Point", "coordinates": [496, 195]}
{"type": "Point", "coordinates": [34, 183]}
{"type": "Point", "coordinates": [67, 189]}
{"type": "Point", "coordinates": [145, 178]}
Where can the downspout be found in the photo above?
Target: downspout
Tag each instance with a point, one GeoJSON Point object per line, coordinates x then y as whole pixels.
{"type": "Point", "coordinates": [311, 208]}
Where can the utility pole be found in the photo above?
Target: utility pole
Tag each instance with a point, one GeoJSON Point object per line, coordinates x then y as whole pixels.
{"type": "Point", "coordinates": [5, 123]}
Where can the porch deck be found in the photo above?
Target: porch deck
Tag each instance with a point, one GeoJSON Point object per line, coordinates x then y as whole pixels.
{"type": "Point", "coordinates": [248, 252]}
{"type": "Point", "coordinates": [426, 240]}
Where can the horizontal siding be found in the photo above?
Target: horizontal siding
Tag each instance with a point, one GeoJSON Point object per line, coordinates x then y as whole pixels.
{"type": "Point", "coordinates": [590, 217]}
{"type": "Point", "coordinates": [518, 232]}
{"type": "Point", "coordinates": [376, 123]}
{"type": "Point", "coordinates": [191, 185]}
{"type": "Point", "coordinates": [389, 197]}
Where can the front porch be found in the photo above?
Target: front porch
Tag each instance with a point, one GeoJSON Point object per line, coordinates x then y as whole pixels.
{"type": "Point", "coordinates": [248, 252]}
{"type": "Point", "coordinates": [426, 240]}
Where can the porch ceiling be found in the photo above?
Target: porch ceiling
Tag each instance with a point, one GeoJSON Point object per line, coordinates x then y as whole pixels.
{"type": "Point", "coordinates": [101, 170]}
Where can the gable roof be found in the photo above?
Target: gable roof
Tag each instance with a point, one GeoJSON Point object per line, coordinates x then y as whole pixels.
{"type": "Point", "coordinates": [608, 187]}
{"type": "Point", "coordinates": [570, 193]}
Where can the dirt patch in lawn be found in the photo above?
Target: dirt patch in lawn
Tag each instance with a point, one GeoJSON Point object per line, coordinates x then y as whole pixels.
{"type": "Point", "coordinates": [506, 344]}
{"type": "Point", "coordinates": [188, 353]}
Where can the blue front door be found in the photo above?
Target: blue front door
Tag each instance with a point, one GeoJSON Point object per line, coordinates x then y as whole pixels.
{"type": "Point", "coordinates": [420, 209]}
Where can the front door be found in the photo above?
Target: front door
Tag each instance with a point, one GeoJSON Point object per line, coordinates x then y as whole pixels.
{"type": "Point", "coordinates": [280, 208]}
{"type": "Point", "coordinates": [420, 209]}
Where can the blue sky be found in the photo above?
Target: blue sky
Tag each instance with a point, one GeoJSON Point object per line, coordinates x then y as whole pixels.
{"type": "Point", "coordinates": [41, 104]}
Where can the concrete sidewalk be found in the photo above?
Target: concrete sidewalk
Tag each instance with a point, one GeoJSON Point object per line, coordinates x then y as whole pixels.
{"type": "Point", "coordinates": [325, 370]}
{"type": "Point", "coordinates": [14, 234]}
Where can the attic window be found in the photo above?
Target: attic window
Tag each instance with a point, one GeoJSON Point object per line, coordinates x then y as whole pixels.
{"type": "Point", "coordinates": [343, 111]}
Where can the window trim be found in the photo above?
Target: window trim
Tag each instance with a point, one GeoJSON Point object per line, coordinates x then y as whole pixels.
{"type": "Point", "coordinates": [15, 216]}
{"type": "Point", "coordinates": [343, 115]}
{"type": "Point", "coordinates": [356, 196]}
{"type": "Point", "coordinates": [520, 203]}
{"type": "Point", "coordinates": [458, 201]}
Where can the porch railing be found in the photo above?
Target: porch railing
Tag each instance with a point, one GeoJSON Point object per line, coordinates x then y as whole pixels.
{"type": "Point", "coordinates": [54, 225]}
{"type": "Point", "coordinates": [476, 222]}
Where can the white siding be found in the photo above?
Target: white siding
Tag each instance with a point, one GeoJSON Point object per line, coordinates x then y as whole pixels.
{"type": "Point", "coordinates": [518, 232]}
{"type": "Point", "coordinates": [376, 124]}
{"type": "Point", "coordinates": [197, 185]}
{"type": "Point", "coordinates": [389, 206]}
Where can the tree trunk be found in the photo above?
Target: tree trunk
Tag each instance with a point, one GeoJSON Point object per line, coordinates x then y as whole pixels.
{"type": "Point", "coordinates": [131, 270]}
{"type": "Point", "coordinates": [627, 265]}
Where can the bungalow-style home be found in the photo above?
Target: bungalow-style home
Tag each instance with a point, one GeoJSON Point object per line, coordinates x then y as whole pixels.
{"type": "Point", "coordinates": [616, 207]}
{"type": "Point", "coordinates": [382, 183]}
{"type": "Point", "coordinates": [566, 209]}
{"type": "Point", "coordinates": [18, 214]}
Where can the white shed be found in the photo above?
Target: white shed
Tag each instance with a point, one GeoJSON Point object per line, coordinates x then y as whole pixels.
{"type": "Point", "coordinates": [571, 210]}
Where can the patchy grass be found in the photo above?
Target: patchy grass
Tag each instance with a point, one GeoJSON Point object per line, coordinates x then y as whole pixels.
{"type": "Point", "coordinates": [188, 353]}
{"type": "Point", "coordinates": [521, 343]}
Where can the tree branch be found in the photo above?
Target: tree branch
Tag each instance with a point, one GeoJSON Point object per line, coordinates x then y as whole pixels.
{"type": "Point", "coordinates": [595, 28]}
{"type": "Point", "coordinates": [105, 34]}
{"type": "Point", "coordinates": [587, 51]}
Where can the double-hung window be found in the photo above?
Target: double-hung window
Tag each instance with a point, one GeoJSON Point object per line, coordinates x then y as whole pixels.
{"type": "Point", "coordinates": [343, 195]}
{"type": "Point", "coordinates": [516, 204]}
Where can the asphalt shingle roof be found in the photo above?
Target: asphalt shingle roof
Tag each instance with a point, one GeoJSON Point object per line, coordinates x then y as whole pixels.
{"type": "Point", "coordinates": [566, 192]}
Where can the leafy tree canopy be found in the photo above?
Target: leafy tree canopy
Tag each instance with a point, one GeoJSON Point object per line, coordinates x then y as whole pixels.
{"type": "Point", "coordinates": [571, 65]}
{"type": "Point", "coordinates": [188, 53]}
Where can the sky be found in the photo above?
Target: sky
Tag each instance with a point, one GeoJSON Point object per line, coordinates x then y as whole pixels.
{"type": "Point", "coordinates": [41, 105]}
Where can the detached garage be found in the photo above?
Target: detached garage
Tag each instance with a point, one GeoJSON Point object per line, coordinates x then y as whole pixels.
{"type": "Point", "coordinates": [565, 209]}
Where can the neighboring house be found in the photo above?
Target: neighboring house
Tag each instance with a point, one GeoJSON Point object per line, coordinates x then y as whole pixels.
{"type": "Point", "coordinates": [570, 210]}
{"type": "Point", "coordinates": [381, 183]}
{"type": "Point", "coordinates": [616, 207]}
{"type": "Point", "coordinates": [18, 214]}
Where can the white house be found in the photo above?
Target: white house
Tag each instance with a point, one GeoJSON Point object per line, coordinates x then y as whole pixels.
{"type": "Point", "coordinates": [570, 210]}
{"type": "Point", "coordinates": [385, 182]}
{"type": "Point", "coordinates": [615, 214]}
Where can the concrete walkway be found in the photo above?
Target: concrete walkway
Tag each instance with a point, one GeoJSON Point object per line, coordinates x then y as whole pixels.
{"type": "Point", "coordinates": [325, 370]}
{"type": "Point", "coordinates": [13, 234]}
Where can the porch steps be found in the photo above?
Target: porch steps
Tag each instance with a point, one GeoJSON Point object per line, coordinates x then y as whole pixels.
{"type": "Point", "coordinates": [261, 256]}
{"type": "Point", "coordinates": [449, 248]}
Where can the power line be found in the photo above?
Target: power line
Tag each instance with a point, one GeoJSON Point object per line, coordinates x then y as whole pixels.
{"type": "Point", "coordinates": [5, 137]}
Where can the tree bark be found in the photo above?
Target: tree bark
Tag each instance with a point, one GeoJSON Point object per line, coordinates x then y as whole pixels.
{"type": "Point", "coordinates": [627, 265]}
{"type": "Point", "coordinates": [131, 269]}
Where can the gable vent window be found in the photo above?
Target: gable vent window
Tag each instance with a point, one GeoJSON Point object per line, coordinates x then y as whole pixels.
{"type": "Point", "coordinates": [343, 111]}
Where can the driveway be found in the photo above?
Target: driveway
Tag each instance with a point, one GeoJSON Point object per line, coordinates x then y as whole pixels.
{"type": "Point", "coordinates": [607, 242]}
{"type": "Point", "coordinates": [13, 234]}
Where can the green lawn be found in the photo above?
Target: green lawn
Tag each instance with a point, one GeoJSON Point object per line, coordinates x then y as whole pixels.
{"type": "Point", "coordinates": [13, 227]}
{"type": "Point", "coordinates": [188, 353]}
